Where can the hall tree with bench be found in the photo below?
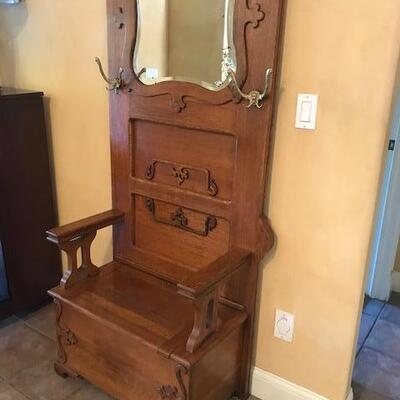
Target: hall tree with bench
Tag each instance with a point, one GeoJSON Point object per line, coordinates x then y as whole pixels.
{"type": "Point", "coordinates": [172, 316]}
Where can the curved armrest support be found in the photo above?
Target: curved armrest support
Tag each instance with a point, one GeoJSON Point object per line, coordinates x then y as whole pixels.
{"type": "Point", "coordinates": [80, 235]}
{"type": "Point", "coordinates": [206, 280]}
{"type": "Point", "coordinates": [204, 288]}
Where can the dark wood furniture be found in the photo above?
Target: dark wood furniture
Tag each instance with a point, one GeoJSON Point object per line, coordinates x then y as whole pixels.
{"type": "Point", "coordinates": [26, 202]}
{"type": "Point", "coordinates": [172, 316]}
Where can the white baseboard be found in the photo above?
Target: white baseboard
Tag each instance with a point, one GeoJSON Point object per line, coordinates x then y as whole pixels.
{"type": "Point", "coordinates": [267, 386]}
{"type": "Point", "coordinates": [396, 281]}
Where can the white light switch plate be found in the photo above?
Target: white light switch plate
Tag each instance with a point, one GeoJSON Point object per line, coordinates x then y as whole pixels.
{"type": "Point", "coordinates": [151, 73]}
{"type": "Point", "coordinates": [306, 115]}
{"type": "Point", "coordinates": [284, 326]}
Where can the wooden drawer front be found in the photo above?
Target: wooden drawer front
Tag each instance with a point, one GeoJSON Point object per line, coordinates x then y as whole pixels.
{"type": "Point", "coordinates": [182, 235]}
{"type": "Point", "coordinates": [112, 359]}
{"type": "Point", "coordinates": [189, 159]}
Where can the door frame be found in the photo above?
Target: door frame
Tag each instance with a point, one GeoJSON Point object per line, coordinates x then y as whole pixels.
{"type": "Point", "coordinates": [387, 220]}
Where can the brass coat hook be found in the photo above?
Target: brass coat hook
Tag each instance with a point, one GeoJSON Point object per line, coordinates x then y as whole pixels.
{"type": "Point", "coordinates": [254, 97]}
{"type": "Point", "coordinates": [114, 84]}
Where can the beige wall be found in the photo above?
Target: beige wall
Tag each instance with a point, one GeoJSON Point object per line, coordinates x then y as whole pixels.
{"type": "Point", "coordinates": [324, 183]}
{"type": "Point", "coordinates": [50, 45]}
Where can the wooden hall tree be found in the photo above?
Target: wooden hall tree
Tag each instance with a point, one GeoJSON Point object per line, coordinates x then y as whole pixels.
{"type": "Point", "coordinates": [172, 316]}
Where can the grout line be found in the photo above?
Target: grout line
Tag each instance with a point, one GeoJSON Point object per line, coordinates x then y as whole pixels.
{"type": "Point", "coordinates": [383, 354]}
{"type": "Point", "coordinates": [20, 392]}
{"type": "Point", "coordinates": [370, 330]}
{"type": "Point", "coordinates": [75, 392]}
{"type": "Point", "coordinates": [38, 331]}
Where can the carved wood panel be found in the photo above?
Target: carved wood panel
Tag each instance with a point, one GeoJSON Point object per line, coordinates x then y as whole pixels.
{"type": "Point", "coordinates": [182, 235]}
{"type": "Point", "coordinates": [182, 173]}
{"type": "Point", "coordinates": [193, 160]}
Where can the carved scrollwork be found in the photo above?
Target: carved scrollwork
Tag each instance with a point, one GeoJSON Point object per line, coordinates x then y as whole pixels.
{"type": "Point", "coordinates": [64, 335]}
{"type": "Point", "coordinates": [212, 187]}
{"type": "Point", "coordinates": [255, 14]}
{"type": "Point", "coordinates": [182, 174]}
{"type": "Point", "coordinates": [151, 171]}
{"type": "Point", "coordinates": [179, 219]}
{"type": "Point", "coordinates": [62, 355]}
{"type": "Point", "coordinates": [177, 103]}
{"type": "Point", "coordinates": [168, 392]}
{"type": "Point", "coordinates": [68, 337]}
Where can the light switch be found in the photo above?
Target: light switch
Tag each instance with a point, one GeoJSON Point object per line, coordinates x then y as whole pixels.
{"type": "Point", "coordinates": [151, 73]}
{"type": "Point", "coordinates": [307, 106]}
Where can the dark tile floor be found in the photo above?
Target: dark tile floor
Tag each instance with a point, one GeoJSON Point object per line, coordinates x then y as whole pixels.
{"type": "Point", "coordinates": [377, 368]}
{"type": "Point", "coordinates": [27, 350]}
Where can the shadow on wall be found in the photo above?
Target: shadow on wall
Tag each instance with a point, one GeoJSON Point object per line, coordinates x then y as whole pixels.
{"type": "Point", "coordinates": [18, 15]}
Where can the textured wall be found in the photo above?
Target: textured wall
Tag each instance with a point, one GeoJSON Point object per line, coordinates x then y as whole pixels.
{"type": "Point", "coordinates": [323, 186]}
{"type": "Point", "coordinates": [50, 45]}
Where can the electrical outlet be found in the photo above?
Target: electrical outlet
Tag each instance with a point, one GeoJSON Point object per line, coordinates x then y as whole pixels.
{"type": "Point", "coordinates": [284, 326]}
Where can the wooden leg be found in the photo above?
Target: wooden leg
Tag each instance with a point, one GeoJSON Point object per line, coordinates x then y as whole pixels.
{"type": "Point", "coordinates": [61, 371]}
{"type": "Point", "coordinates": [64, 371]}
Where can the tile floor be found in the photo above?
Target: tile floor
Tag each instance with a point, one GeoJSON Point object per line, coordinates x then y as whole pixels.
{"type": "Point", "coordinates": [377, 368]}
{"type": "Point", "coordinates": [27, 350]}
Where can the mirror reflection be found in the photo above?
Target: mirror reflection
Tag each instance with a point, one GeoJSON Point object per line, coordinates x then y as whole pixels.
{"type": "Point", "coordinates": [185, 40]}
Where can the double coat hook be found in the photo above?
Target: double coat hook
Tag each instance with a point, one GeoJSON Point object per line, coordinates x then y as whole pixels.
{"type": "Point", "coordinates": [113, 84]}
{"type": "Point", "coordinates": [254, 97]}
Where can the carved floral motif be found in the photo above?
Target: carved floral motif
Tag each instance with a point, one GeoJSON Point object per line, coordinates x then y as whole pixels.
{"type": "Point", "coordinates": [168, 392]}
{"type": "Point", "coordinates": [183, 173]}
{"type": "Point", "coordinates": [179, 219]}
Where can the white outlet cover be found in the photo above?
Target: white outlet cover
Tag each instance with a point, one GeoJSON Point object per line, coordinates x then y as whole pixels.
{"type": "Point", "coordinates": [284, 326]}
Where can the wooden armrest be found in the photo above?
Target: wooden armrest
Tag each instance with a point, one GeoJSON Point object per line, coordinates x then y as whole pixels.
{"type": "Point", "coordinates": [79, 236]}
{"type": "Point", "coordinates": [208, 278]}
{"type": "Point", "coordinates": [70, 231]}
{"type": "Point", "coordinates": [203, 287]}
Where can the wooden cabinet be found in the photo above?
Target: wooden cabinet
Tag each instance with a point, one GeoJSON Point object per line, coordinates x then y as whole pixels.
{"type": "Point", "coordinates": [29, 265]}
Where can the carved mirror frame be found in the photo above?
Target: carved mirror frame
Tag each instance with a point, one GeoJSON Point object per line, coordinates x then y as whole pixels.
{"type": "Point", "coordinates": [247, 15]}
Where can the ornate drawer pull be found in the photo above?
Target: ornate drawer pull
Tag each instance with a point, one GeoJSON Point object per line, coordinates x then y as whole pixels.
{"type": "Point", "coordinates": [179, 220]}
{"type": "Point", "coordinates": [182, 173]}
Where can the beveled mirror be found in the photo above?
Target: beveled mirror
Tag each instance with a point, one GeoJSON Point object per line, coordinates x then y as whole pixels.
{"type": "Point", "coordinates": [186, 41]}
